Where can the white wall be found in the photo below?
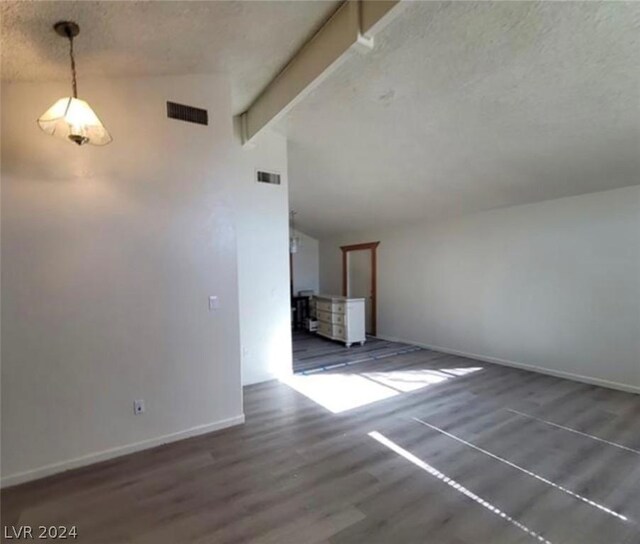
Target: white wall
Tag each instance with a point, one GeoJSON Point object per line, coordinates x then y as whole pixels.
{"type": "Point", "coordinates": [108, 258]}
{"type": "Point", "coordinates": [263, 263]}
{"type": "Point", "coordinates": [553, 285]}
{"type": "Point", "coordinates": [306, 264]}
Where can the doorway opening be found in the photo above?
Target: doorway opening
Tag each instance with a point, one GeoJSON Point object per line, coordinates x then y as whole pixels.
{"type": "Point", "coordinates": [359, 278]}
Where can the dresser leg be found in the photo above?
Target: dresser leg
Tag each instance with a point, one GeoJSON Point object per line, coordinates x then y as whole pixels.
{"type": "Point", "coordinates": [347, 344]}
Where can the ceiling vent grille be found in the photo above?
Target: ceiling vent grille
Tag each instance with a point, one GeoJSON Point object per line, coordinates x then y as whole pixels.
{"type": "Point", "coordinates": [268, 177]}
{"type": "Point", "coordinates": [187, 113]}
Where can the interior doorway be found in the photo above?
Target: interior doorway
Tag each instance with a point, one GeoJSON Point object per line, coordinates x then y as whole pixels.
{"type": "Point", "coordinates": [359, 278]}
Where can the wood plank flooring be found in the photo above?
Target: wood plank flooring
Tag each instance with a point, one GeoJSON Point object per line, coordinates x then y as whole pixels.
{"type": "Point", "coordinates": [441, 449]}
{"type": "Point", "coordinates": [312, 352]}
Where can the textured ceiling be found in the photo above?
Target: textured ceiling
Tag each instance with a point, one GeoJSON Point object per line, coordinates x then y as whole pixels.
{"type": "Point", "coordinates": [468, 106]}
{"type": "Point", "coordinates": [250, 41]}
{"type": "Point", "coordinates": [461, 107]}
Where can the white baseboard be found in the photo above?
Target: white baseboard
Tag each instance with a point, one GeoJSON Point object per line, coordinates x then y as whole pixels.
{"type": "Point", "coordinates": [96, 457]}
{"type": "Point", "coordinates": [541, 370]}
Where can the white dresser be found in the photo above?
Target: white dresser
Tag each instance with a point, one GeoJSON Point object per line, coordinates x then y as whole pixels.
{"type": "Point", "coordinates": [340, 318]}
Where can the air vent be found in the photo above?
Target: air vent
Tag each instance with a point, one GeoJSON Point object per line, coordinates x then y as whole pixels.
{"type": "Point", "coordinates": [268, 177]}
{"type": "Point", "coordinates": [187, 113]}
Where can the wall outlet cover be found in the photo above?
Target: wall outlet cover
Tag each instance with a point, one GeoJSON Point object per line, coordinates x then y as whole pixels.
{"type": "Point", "coordinates": [138, 406]}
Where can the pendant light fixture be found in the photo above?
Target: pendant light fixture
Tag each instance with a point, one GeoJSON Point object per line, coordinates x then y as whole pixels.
{"type": "Point", "coordinates": [70, 118]}
{"type": "Point", "coordinates": [294, 239]}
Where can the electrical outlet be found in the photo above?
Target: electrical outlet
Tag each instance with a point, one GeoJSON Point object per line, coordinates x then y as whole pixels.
{"type": "Point", "coordinates": [214, 303]}
{"type": "Point", "coordinates": [138, 407]}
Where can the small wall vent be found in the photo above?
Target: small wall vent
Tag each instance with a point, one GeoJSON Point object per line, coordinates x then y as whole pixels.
{"type": "Point", "coordinates": [268, 177]}
{"type": "Point", "coordinates": [187, 113]}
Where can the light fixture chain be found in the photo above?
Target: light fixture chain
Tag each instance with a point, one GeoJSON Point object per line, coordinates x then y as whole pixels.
{"type": "Point", "coordinates": [73, 65]}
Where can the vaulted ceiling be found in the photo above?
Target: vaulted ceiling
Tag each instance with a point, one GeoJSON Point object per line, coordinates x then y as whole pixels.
{"type": "Point", "coordinates": [461, 106]}
{"type": "Point", "coordinates": [250, 41]}
{"type": "Point", "coordinates": [468, 106]}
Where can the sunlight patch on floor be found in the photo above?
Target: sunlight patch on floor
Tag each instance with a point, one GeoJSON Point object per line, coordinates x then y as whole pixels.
{"type": "Point", "coordinates": [340, 392]}
{"type": "Point", "coordinates": [462, 371]}
{"type": "Point", "coordinates": [524, 470]}
{"type": "Point", "coordinates": [453, 484]}
{"type": "Point", "coordinates": [407, 380]}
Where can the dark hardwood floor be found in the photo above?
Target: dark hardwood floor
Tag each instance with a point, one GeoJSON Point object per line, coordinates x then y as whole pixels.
{"type": "Point", "coordinates": [415, 448]}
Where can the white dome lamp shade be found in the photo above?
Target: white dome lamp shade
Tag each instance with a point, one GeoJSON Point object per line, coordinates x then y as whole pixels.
{"type": "Point", "coordinates": [70, 118]}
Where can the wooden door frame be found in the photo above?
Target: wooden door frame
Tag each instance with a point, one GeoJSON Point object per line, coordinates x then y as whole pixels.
{"type": "Point", "coordinates": [373, 246]}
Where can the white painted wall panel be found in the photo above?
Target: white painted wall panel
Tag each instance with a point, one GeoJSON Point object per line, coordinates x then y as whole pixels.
{"type": "Point", "coordinates": [553, 285]}
{"type": "Point", "coordinates": [263, 262]}
{"type": "Point", "coordinates": [109, 256]}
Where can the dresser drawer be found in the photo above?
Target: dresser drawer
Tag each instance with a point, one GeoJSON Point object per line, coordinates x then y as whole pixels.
{"type": "Point", "coordinates": [329, 317]}
{"type": "Point", "coordinates": [323, 306]}
{"type": "Point", "coordinates": [325, 328]}
{"type": "Point", "coordinates": [324, 316]}
{"type": "Point", "coordinates": [331, 330]}
{"type": "Point", "coordinates": [329, 306]}
{"type": "Point", "coordinates": [338, 319]}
